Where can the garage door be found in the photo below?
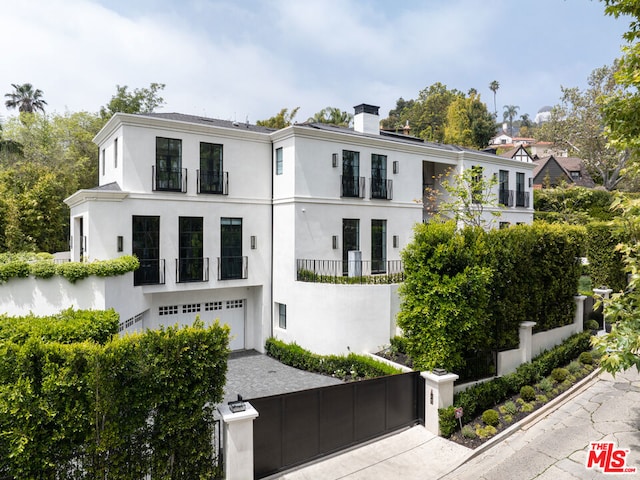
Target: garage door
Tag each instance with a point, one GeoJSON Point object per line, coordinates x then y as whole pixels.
{"type": "Point", "coordinates": [232, 314]}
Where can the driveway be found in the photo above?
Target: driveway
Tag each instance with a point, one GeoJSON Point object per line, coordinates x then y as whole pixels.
{"type": "Point", "coordinates": [252, 375]}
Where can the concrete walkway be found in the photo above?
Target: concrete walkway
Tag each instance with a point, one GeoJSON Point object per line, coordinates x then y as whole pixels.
{"type": "Point", "coordinates": [551, 445]}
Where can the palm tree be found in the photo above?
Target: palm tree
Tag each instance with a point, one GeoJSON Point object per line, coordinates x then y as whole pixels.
{"type": "Point", "coordinates": [510, 111]}
{"type": "Point", "coordinates": [25, 98]}
{"type": "Point", "coordinates": [332, 116]}
{"type": "Point", "coordinates": [494, 86]}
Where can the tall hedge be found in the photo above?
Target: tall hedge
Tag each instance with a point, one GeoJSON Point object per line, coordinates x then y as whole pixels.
{"type": "Point", "coordinates": [121, 408]}
{"type": "Point", "coordinates": [468, 291]}
{"type": "Point", "coordinates": [605, 263]}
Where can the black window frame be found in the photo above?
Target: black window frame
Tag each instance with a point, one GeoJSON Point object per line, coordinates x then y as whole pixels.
{"type": "Point", "coordinates": [350, 173]}
{"type": "Point", "coordinates": [168, 171]}
{"type": "Point", "coordinates": [145, 245]}
{"type": "Point", "coordinates": [378, 246]}
{"type": "Point", "coordinates": [190, 249]}
{"type": "Point", "coordinates": [379, 187]}
{"type": "Point", "coordinates": [211, 178]}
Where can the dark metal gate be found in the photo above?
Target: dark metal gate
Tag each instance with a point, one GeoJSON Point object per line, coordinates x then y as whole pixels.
{"type": "Point", "coordinates": [297, 427]}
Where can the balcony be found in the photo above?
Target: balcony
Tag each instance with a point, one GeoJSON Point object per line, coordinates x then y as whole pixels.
{"type": "Point", "coordinates": [233, 268]}
{"type": "Point", "coordinates": [352, 186]}
{"type": "Point", "coordinates": [169, 179]}
{"type": "Point", "coordinates": [367, 272]}
{"type": "Point", "coordinates": [381, 188]}
{"type": "Point", "coordinates": [192, 269]}
{"type": "Point", "coordinates": [522, 199]}
{"type": "Point", "coordinates": [213, 182]}
{"type": "Point", "coordinates": [151, 272]}
{"type": "Point", "coordinates": [505, 197]}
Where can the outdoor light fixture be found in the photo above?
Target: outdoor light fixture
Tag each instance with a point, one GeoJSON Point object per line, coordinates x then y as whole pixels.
{"type": "Point", "coordinates": [334, 241]}
{"type": "Point", "coordinates": [120, 243]}
{"type": "Point", "coordinates": [334, 160]}
{"type": "Point", "coordinates": [237, 405]}
{"type": "Point", "coordinates": [439, 371]}
{"type": "Point", "coordinates": [254, 242]}
{"type": "Point", "coordinates": [396, 166]}
{"type": "Point", "coordinates": [396, 241]}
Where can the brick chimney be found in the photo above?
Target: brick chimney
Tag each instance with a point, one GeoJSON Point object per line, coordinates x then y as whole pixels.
{"type": "Point", "coordinates": [366, 119]}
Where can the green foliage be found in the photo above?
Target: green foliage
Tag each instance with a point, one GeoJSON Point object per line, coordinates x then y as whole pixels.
{"type": "Point", "coordinates": [399, 344]}
{"type": "Point", "coordinates": [469, 432]}
{"type": "Point", "coordinates": [526, 407]}
{"type": "Point", "coordinates": [527, 393]}
{"type": "Point", "coordinates": [119, 408]}
{"type": "Point", "coordinates": [447, 421]}
{"type": "Point", "coordinates": [491, 417]}
{"type": "Point", "coordinates": [332, 116]}
{"type": "Point", "coordinates": [559, 374]}
{"type": "Point", "coordinates": [510, 408]}
{"type": "Point", "coordinates": [575, 205]}
{"type": "Point", "coordinates": [591, 325]}
{"type": "Point", "coordinates": [586, 358]}
{"type": "Point", "coordinates": [309, 276]}
{"type": "Point", "coordinates": [545, 385]}
{"type": "Point", "coordinates": [574, 367]}
{"type": "Point", "coordinates": [606, 266]}
{"type": "Point", "coordinates": [280, 120]}
{"type": "Point", "coordinates": [141, 100]}
{"type": "Point", "coordinates": [356, 366]}
{"type": "Point", "coordinates": [485, 432]}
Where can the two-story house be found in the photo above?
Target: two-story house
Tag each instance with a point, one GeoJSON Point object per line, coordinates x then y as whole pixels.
{"type": "Point", "coordinates": [271, 231]}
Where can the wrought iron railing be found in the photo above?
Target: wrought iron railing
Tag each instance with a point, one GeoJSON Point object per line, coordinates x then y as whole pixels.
{"type": "Point", "coordinates": [522, 199]}
{"type": "Point", "coordinates": [192, 269]}
{"type": "Point", "coordinates": [213, 182]}
{"type": "Point", "coordinates": [352, 186]}
{"type": "Point", "coordinates": [151, 272]}
{"type": "Point", "coordinates": [169, 179]}
{"type": "Point", "coordinates": [505, 197]}
{"type": "Point", "coordinates": [362, 271]}
{"type": "Point", "coordinates": [381, 188]}
{"type": "Point", "coordinates": [233, 268]}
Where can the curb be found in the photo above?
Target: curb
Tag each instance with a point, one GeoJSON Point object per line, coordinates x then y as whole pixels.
{"type": "Point", "coordinates": [533, 418]}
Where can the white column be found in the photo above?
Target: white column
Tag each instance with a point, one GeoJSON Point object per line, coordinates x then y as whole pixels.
{"type": "Point", "coordinates": [578, 320]}
{"type": "Point", "coordinates": [439, 394]}
{"type": "Point", "coordinates": [526, 340]}
{"type": "Point", "coordinates": [238, 442]}
{"type": "Point", "coordinates": [604, 294]}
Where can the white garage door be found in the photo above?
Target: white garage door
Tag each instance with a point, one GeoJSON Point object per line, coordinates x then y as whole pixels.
{"type": "Point", "coordinates": [232, 314]}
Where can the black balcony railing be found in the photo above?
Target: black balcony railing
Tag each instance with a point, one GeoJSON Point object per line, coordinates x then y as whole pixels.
{"type": "Point", "coordinates": [192, 269]}
{"type": "Point", "coordinates": [151, 272]}
{"type": "Point", "coordinates": [381, 188]}
{"type": "Point", "coordinates": [367, 272]}
{"type": "Point", "coordinates": [352, 186]}
{"type": "Point", "coordinates": [213, 182]}
{"type": "Point", "coordinates": [505, 197]}
{"type": "Point", "coordinates": [233, 268]}
{"type": "Point", "coordinates": [169, 179]}
{"type": "Point", "coordinates": [522, 199]}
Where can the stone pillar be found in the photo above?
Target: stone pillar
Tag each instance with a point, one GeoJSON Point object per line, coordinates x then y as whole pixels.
{"type": "Point", "coordinates": [526, 340]}
{"type": "Point", "coordinates": [578, 320]}
{"type": "Point", "coordinates": [604, 294]}
{"type": "Point", "coordinates": [238, 442]}
{"type": "Point", "coordinates": [439, 394]}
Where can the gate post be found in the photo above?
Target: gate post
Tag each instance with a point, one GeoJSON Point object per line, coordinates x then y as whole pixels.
{"type": "Point", "coordinates": [238, 442]}
{"type": "Point", "coordinates": [578, 319]}
{"type": "Point", "coordinates": [438, 394]}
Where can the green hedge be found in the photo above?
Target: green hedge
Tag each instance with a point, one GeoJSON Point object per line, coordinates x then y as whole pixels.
{"type": "Point", "coordinates": [129, 407]}
{"type": "Point", "coordinates": [577, 205]}
{"type": "Point", "coordinates": [605, 263]}
{"type": "Point", "coordinates": [356, 366]}
{"type": "Point", "coordinates": [483, 396]}
{"type": "Point", "coordinates": [16, 266]}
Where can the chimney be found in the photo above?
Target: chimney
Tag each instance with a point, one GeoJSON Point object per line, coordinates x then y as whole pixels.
{"type": "Point", "coordinates": [366, 119]}
{"type": "Point", "coordinates": [406, 129]}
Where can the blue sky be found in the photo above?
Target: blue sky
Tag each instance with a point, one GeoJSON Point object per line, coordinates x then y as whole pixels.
{"type": "Point", "coordinates": [238, 60]}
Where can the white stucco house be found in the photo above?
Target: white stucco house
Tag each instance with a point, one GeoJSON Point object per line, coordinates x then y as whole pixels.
{"type": "Point", "coordinates": [249, 224]}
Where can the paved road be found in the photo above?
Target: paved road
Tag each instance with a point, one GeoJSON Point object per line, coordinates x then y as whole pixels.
{"type": "Point", "coordinates": [555, 447]}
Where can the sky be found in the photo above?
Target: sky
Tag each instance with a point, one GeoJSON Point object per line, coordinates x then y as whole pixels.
{"type": "Point", "coordinates": [247, 59]}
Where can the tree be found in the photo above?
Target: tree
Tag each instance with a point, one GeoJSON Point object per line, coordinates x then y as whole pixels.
{"type": "Point", "coordinates": [141, 100]}
{"type": "Point", "coordinates": [25, 98]}
{"type": "Point", "coordinates": [494, 86]}
{"type": "Point", "coordinates": [332, 116]}
{"type": "Point", "coordinates": [469, 123]}
{"type": "Point", "coordinates": [280, 120]}
{"type": "Point", "coordinates": [510, 112]}
{"type": "Point", "coordinates": [578, 125]}
{"type": "Point", "coordinates": [470, 195]}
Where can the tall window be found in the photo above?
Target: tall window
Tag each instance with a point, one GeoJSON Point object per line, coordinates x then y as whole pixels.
{"type": "Point", "coordinates": [168, 164]}
{"type": "Point", "coordinates": [350, 240]}
{"type": "Point", "coordinates": [378, 176]}
{"type": "Point", "coordinates": [282, 315]}
{"type": "Point", "coordinates": [503, 192]}
{"type": "Point", "coordinates": [146, 246]}
{"type": "Point", "coordinates": [378, 246]}
{"type": "Point", "coordinates": [190, 261]}
{"type": "Point", "coordinates": [211, 176]}
{"type": "Point", "coordinates": [350, 173]}
{"type": "Point", "coordinates": [521, 200]}
{"type": "Point", "coordinates": [279, 161]}
{"type": "Point", "coordinates": [231, 259]}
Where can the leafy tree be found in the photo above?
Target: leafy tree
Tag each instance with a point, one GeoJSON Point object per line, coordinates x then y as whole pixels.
{"type": "Point", "coordinates": [510, 112]}
{"type": "Point", "coordinates": [577, 124]}
{"type": "Point", "coordinates": [494, 86]}
{"type": "Point", "coordinates": [333, 116]}
{"type": "Point", "coordinates": [25, 98]}
{"type": "Point", "coordinates": [281, 120]}
{"type": "Point", "coordinates": [141, 100]}
{"type": "Point", "coordinates": [470, 195]}
{"type": "Point", "coordinates": [469, 123]}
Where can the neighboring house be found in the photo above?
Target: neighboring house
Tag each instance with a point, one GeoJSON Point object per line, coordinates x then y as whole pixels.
{"type": "Point", "coordinates": [553, 171]}
{"type": "Point", "coordinates": [227, 218]}
{"type": "Point", "coordinates": [505, 140]}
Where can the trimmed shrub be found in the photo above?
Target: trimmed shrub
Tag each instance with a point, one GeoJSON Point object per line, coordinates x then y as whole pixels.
{"type": "Point", "coordinates": [545, 385]}
{"type": "Point", "coordinates": [469, 432]}
{"type": "Point", "coordinates": [605, 262]}
{"type": "Point", "coordinates": [490, 417]}
{"type": "Point", "coordinates": [448, 422]}
{"type": "Point", "coordinates": [559, 374]}
{"type": "Point", "coordinates": [527, 393]}
{"type": "Point", "coordinates": [586, 358]}
{"type": "Point", "coordinates": [574, 367]}
{"type": "Point", "coordinates": [591, 324]}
